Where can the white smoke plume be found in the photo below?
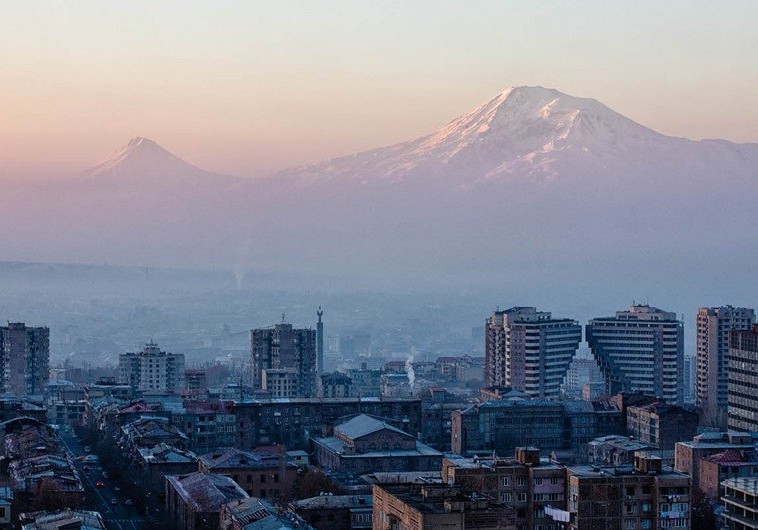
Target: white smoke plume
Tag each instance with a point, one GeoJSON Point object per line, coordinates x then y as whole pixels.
{"type": "Point", "coordinates": [409, 370]}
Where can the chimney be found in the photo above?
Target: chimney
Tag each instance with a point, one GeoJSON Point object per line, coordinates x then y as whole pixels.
{"type": "Point", "coordinates": [528, 456]}
{"type": "Point", "coordinates": [648, 464]}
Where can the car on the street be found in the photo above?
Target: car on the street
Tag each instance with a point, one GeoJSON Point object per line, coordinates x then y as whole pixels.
{"type": "Point", "coordinates": [114, 501]}
{"type": "Point", "coordinates": [99, 484]}
{"type": "Point", "coordinates": [129, 502]}
{"type": "Point", "coordinates": [116, 488]}
{"type": "Point", "coordinates": [87, 449]}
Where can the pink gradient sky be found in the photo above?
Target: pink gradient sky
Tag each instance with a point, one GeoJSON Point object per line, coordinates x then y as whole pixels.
{"type": "Point", "coordinates": [251, 87]}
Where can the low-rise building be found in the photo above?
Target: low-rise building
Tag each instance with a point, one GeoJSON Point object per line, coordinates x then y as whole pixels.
{"type": "Point", "coordinates": [336, 385]}
{"type": "Point", "coordinates": [527, 484]}
{"type": "Point", "coordinates": [289, 421]}
{"type": "Point", "coordinates": [150, 431]}
{"type": "Point", "coordinates": [193, 501]}
{"type": "Point", "coordinates": [614, 450]}
{"type": "Point", "coordinates": [67, 519]}
{"type": "Point", "coordinates": [661, 425]}
{"type": "Point", "coordinates": [366, 443]}
{"type": "Point", "coordinates": [263, 474]}
{"type": "Point", "coordinates": [328, 512]}
{"type": "Point", "coordinates": [715, 469]}
{"type": "Point", "coordinates": [689, 454]}
{"type": "Point", "coordinates": [641, 497]}
{"type": "Point", "coordinates": [258, 514]}
{"type": "Point", "coordinates": [158, 461]}
{"type": "Point", "coordinates": [550, 425]}
{"type": "Point", "coordinates": [421, 507]}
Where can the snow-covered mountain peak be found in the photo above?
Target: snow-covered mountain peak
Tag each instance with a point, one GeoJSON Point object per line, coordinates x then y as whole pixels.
{"type": "Point", "coordinates": [141, 157]}
{"type": "Point", "coordinates": [532, 133]}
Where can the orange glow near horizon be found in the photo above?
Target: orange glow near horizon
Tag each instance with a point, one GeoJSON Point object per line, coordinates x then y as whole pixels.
{"type": "Point", "coordinates": [249, 88]}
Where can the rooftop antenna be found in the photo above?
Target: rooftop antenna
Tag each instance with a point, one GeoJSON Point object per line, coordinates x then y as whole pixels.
{"type": "Point", "coordinates": [283, 320]}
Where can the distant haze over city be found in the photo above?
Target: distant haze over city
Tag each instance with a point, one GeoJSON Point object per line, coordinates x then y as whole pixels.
{"type": "Point", "coordinates": [534, 193]}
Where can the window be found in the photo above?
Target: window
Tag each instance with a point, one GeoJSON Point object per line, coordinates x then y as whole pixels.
{"type": "Point", "coordinates": [521, 497]}
{"type": "Point", "coordinates": [506, 481]}
{"type": "Point", "coordinates": [538, 482]}
{"type": "Point", "coordinates": [505, 497]}
{"type": "Point", "coordinates": [521, 481]}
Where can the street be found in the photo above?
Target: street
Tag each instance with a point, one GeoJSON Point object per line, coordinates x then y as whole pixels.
{"type": "Point", "coordinates": [117, 514]}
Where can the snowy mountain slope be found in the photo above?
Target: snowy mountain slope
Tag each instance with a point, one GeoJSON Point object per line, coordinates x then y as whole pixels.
{"type": "Point", "coordinates": [531, 133]}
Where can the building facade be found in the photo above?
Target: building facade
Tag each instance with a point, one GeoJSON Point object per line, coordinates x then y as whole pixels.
{"type": "Point", "coordinates": [152, 369]}
{"type": "Point", "coordinates": [25, 359]}
{"type": "Point", "coordinates": [740, 503]}
{"type": "Point", "coordinates": [641, 350]}
{"type": "Point", "coordinates": [525, 483]}
{"type": "Point", "coordinates": [421, 507]}
{"type": "Point", "coordinates": [367, 444]}
{"type": "Point", "coordinates": [713, 327]}
{"type": "Point", "coordinates": [742, 409]}
{"type": "Point", "coordinates": [504, 425]}
{"type": "Point", "coordinates": [282, 347]}
{"type": "Point", "coordinates": [660, 425]}
{"type": "Point", "coordinates": [642, 497]}
{"type": "Point", "coordinates": [529, 350]}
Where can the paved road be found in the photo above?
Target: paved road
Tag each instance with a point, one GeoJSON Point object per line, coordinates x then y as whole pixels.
{"type": "Point", "coordinates": [117, 516]}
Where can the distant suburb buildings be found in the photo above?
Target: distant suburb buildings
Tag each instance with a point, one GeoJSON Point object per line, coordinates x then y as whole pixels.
{"type": "Point", "coordinates": [713, 327]}
{"type": "Point", "coordinates": [152, 369]}
{"type": "Point", "coordinates": [284, 361]}
{"type": "Point", "coordinates": [24, 359]}
{"type": "Point", "coordinates": [640, 350]}
{"type": "Point", "coordinates": [530, 351]}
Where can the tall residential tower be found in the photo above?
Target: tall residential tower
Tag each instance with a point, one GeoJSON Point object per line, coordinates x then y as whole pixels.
{"type": "Point", "coordinates": [284, 360]}
{"type": "Point", "coordinates": [713, 327]}
{"type": "Point", "coordinates": [528, 350]}
{"type": "Point", "coordinates": [152, 369]}
{"type": "Point", "coordinates": [742, 383]}
{"type": "Point", "coordinates": [641, 349]}
{"type": "Point", "coordinates": [24, 359]}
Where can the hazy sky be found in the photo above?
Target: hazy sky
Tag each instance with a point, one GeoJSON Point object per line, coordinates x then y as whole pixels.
{"type": "Point", "coordinates": [250, 87]}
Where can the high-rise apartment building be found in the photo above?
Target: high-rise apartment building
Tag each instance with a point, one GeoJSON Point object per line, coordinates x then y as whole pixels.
{"type": "Point", "coordinates": [742, 411]}
{"type": "Point", "coordinates": [713, 327]}
{"type": "Point", "coordinates": [152, 369]}
{"type": "Point", "coordinates": [529, 350]}
{"type": "Point", "coordinates": [24, 359]}
{"type": "Point", "coordinates": [283, 347]}
{"type": "Point", "coordinates": [640, 350]}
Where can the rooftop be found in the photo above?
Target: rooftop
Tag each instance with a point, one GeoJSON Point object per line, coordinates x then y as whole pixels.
{"type": "Point", "coordinates": [257, 514]}
{"type": "Point", "coordinates": [206, 492]}
{"type": "Point", "coordinates": [236, 458]}
{"type": "Point", "coordinates": [164, 453]}
{"type": "Point", "coordinates": [363, 425]}
{"type": "Point", "coordinates": [334, 501]}
{"type": "Point", "coordinates": [337, 446]}
{"type": "Point", "coordinates": [63, 519]}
